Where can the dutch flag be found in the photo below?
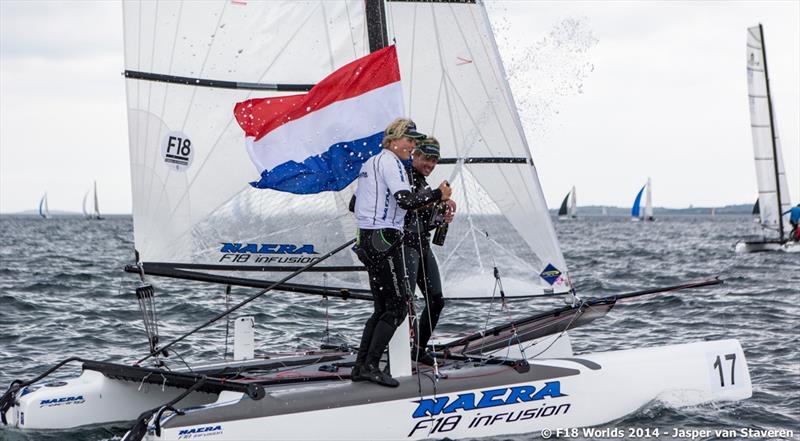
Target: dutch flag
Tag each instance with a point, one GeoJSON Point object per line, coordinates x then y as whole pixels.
{"type": "Point", "coordinates": [317, 141]}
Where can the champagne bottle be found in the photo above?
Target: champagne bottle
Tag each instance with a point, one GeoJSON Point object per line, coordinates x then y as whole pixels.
{"type": "Point", "coordinates": [441, 231]}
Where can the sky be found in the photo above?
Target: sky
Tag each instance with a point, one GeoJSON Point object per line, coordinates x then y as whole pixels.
{"type": "Point", "coordinates": [610, 93]}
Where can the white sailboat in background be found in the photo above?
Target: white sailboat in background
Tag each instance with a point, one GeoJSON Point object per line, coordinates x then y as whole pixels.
{"type": "Point", "coordinates": [569, 206]}
{"type": "Point", "coordinates": [773, 186]}
{"type": "Point", "coordinates": [94, 213]}
{"type": "Point", "coordinates": [643, 211]}
{"type": "Point", "coordinates": [196, 218]}
{"type": "Point", "coordinates": [44, 209]}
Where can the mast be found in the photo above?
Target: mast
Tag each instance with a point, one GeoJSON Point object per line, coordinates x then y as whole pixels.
{"type": "Point", "coordinates": [376, 25]}
{"type": "Point", "coordinates": [772, 133]}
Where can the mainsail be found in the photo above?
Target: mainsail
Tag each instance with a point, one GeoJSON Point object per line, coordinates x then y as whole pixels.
{"type": "Point", "coordinates": [186, 69]}
{"type": "Point", "coordinates": [95, 212]}
{"type": "Point", "coordinates": [773, 187]}
{"type": "Point", "coordinates": [573, 203]}
{"type": "Point", "coordinates": [648, 201]}
{"type": "Point", "coordinates": [44, 210]}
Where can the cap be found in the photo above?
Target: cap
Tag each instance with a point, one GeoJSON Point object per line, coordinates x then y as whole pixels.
{"type": "Point", "coordinates": [429, 146]}
{"type": "Point", "coordinates": [402, 127]}
{"type": "Point", "coordinates": [411, 131]}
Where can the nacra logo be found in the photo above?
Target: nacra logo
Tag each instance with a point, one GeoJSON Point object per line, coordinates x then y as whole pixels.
{"type": "Point", "coordinates": [489, 398]}
{"type": "Point", "coordinates": [267, 248]}
{"type": "Point", "coordinates": [63, 400]}
{"type": "Point", "coordinates": [196, 430]}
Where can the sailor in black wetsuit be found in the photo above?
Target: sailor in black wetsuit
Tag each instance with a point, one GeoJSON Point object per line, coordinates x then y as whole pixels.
{"type": "Point", "coordinates": [382, 197]}
{"type": "Point", "coordinates": [421, 266]}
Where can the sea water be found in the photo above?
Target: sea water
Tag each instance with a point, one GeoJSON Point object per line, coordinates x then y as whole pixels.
{"type": "Point", "coordinates": [63, 293]}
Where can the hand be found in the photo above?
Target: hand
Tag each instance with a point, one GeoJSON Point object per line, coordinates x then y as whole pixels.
{"type": "Point", "coordinates": [444, 187]}
{"type": "Point", "coordinates": [450, 213]}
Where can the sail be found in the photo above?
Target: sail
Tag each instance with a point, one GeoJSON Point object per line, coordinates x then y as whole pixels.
{"type": "Point", "coordinates": [573, 204]}
{"type": "Point", "coordinates": [562, 211]}
{"type": "Point", "coordinates": [96, 209]}
{"type": "Point", "coordinates": [83, 205]}
{"type": "Point", "coordinates": [648, 200]}
{"type": "Point", "coordinates": [636, 209]}
{"type": "Point", "coordinates": [756, 209]}
{"type": "Point", "coordinates": [773, 187]}
{"type": "Point", "coordinates": [189, 63]}
{"type": "Point", "coordinates": [456, 89]}
{"type": "Point", "coordinates": [44, 210]}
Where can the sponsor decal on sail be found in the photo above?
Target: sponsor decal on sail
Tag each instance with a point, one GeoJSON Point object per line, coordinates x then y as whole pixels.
{"type": "Point", "coordinates": [550, 274]}
{"type": "Point", "coordinates": [267, 253]}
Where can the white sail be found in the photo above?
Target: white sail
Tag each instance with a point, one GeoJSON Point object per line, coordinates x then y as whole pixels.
{"type": "Point", "coordinates": [573, 204]}
{"type": "Point", "coordinates": [44, 209]}
{"type": "Point", "coordinates": [83, 205]}
{"type": "Point", "coordinates": [770, 172]}
{"type": "Point", "coordinates": [202, 208]}
{"type": "Point", "coordinates": [648, 200]}
{"type": "Point", "coordinates": [456, 89]}
{"type": "Point", "coordinates": [96, 207]}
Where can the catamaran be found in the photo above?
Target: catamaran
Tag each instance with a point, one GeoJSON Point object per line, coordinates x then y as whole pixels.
{"type": "Point", "coordinates": [44, 209]}
{"type": "Point", "coordinates": [199, 214]}
{"type": "Point", "coordinates": [773, 187]}
{"type": "Point", "coordinates": [639, 212]}
{"type": "Point", "coordinates": [569, 206]}
{"type": "Point", "coordinates": [95, 210]}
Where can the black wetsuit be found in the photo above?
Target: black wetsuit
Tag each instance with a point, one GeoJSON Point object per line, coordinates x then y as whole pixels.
{"type": "Point", "coordinates": [421, 266]}
{"type": "Point", "coordinates": [381, 252]}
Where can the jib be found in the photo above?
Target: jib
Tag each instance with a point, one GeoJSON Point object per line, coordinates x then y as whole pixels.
{"type": "Point", "coordinates": [199, 430]}
{"type": "Point", "coordinates": [267, 248]}
{"type": "Point", "coordinates": [61, 400]}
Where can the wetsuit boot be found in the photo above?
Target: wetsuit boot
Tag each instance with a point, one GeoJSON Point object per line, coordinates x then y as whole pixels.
{"type": "Point", "coordinates": [380, 340]}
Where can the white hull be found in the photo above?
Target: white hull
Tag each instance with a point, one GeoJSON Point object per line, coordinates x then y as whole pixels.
{"type": "Point", "coordinates": [585, 390]}
{"type": "Point", "coordinates": [604, 387]}
{"type": "Point", "coordinates": [91, 398]}
{"type": "Point", "coordinates": [756, 246]}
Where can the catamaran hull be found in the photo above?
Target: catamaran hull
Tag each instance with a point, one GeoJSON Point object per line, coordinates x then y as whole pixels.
{"type": "Point", "coordinates": [91, 398]}
{"type": "Point", "coordinates": [555, 393]}
{"type": "Point", "coordinates": [757, 246]}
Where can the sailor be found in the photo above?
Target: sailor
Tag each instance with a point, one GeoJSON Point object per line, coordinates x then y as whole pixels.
{"type": "Point", "coordinates": [421, 266]}
{"type": "Point", "coordinates": [383, 195]}
{"type": "Point", "coordinates": [794, 219]}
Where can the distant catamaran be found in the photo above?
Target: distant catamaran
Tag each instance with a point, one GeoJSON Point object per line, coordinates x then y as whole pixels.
{"type": "Point", "coordinates": [569, 206]}
{"type": "Point", "coordinates": [639, 212]}
{"type": "Point", "coordinates": [95, 212]}
{"type": "Point", "coordinates": [773, 187]}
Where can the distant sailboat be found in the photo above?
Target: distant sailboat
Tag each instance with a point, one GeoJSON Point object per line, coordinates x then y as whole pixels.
{"type": "Point", "coordinates": [756, 212]}
{"type": "Point", "coordinates": [95, 213]}
{"type": "Point", "coordinates": [639, 212]}
{"type": "Point", "coordinates": [569, 206]}
{"type": "Point", "coordinates": [44, 210]}
{"type": "Point", "coordinates": [773, 187]}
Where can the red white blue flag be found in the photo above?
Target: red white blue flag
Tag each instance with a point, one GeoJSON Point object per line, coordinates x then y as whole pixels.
{"type": "Point", "coordinates": [317, 141]}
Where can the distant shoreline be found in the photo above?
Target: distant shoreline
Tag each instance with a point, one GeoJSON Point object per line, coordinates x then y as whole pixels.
{"type": "Point", "coordinates": [591, 210]}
